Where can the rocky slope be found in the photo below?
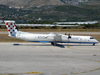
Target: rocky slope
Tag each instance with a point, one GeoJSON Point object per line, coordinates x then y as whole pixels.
{"type": "Point", "coordinates": [30, 3]}
{"type": "Point", "coordinates": [38, 3]}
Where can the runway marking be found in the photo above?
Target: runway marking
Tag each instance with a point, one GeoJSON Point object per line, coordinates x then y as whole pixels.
{"type": "Point", "coordinates": [85, 71]}
{"type": "Point", "coordinates": [74, 73]}
{"type": "Point", "coordinates": [90, 59]}
{"type": "Point", "coordinates": [68, 46]}
{"type": "Point", "coordinates": [78, 58]}
{"type": "Point", "coordinates": [85, 59]}
{"type": "Point", "coordinates": [71, 48]}
{"type": "Point", "coordinates": [92, 70]}
{"type": "Point", "coordinates": [99, 61]}
{"type": "Point", "coordinates": [64, 74]}
{"type": "Point", "coordinates": [35, 72]}
{"type": "Point", "coordinates": [97, 69]}
{"type": "Point", "coordinates": [95, 60]}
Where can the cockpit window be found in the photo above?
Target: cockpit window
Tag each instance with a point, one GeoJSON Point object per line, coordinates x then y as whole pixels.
{"type": "Point", "coordinates": [91, 38]}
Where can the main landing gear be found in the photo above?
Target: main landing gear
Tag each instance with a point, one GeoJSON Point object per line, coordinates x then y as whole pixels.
{"type": "Point", "coordinates": [93, 44]}
{"type": "Point", "coordinates": [53, 43]}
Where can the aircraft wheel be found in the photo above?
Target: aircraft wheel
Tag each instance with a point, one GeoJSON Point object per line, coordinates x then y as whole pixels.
{"type": "Point", "coordinates": [93, 44]}
{"type": "Point", "coordinates": [53, 43]}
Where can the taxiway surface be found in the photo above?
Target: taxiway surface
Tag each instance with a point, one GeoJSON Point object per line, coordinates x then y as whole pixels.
{"type": "Point", "coordinates": [44, 59]}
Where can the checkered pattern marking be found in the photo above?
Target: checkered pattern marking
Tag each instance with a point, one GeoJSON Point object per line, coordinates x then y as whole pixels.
{"type": "Point", "coordinates": [11, 28]}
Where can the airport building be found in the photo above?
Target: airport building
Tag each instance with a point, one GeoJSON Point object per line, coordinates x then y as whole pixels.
{"type": "Point", "coordinates": [59, 24]}
{"type": "Point", "coordinates": [1, 21]}
{"type": "Point", "coordinates": [79, 23]}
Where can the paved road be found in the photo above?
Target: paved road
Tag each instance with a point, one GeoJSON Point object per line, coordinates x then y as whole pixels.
{"type": "Point", "coordinates": [44, 59]}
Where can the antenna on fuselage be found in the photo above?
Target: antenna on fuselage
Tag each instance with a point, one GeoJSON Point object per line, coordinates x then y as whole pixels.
{"type": "Point", "coordinates": [65, 33]}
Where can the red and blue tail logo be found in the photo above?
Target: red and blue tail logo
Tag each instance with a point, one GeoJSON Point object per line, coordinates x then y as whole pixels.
{"type": "Point", "coordinates": [11, 28]}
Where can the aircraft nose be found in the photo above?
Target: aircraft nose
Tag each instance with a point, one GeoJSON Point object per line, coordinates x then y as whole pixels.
{"type": "Point", "coordinates": [96, 41]}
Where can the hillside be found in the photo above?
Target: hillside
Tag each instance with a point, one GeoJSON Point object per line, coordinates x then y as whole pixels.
{"type": "Point", "coordinates": [30, 3]}
{"type": "Point", "coordinates": [39, 3]}
{"type": "Point", "coordinates": [82, 12]}
{"type": "Point", "coordinates": [11, 13]}
{"type": "Point", "coordinates": [69, 13]}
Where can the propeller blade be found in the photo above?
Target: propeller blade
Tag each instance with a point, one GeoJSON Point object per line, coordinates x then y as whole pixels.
{"type": "Point", "coordinates": [69, 36]}
{"type": "Point", "coordinates": [65, 33]}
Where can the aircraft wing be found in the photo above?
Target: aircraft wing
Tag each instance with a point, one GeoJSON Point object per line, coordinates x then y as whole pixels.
{"type": "Point", "coordinates": [56, 34]}
{"type": "Point", "coordinates": [57, 37]}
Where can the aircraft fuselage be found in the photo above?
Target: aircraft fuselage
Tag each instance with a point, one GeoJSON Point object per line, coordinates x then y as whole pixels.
{"type": "Point", "coordinates": [48, 38]}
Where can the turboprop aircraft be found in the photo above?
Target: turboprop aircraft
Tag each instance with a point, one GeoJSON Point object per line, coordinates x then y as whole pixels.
{"type": "Point", "coordinates": [52, 38]}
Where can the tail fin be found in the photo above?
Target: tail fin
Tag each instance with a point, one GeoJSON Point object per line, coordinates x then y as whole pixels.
{"type": "Point", "coordinates": [11, 27]}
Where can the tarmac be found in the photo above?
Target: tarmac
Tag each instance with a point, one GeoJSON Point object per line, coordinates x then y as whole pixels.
{"type": "Point", "coordinates": [45, 59]}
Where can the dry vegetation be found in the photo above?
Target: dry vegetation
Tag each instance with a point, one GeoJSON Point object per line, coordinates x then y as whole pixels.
{"type": "Point", "coordinates": [56, 30]}
{"type": "Point", "coordinates": [6, 38]}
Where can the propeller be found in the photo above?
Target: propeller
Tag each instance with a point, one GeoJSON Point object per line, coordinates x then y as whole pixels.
{"type": "Point", "coordinates": [69, 36]}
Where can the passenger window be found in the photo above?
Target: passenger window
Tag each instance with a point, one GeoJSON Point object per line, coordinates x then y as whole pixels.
{"type": "Point", "coordinates": [91, 38]}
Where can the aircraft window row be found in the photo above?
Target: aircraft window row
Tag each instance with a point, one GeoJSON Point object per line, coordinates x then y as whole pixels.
{"type": "Point", "coordinates": [91, 38]}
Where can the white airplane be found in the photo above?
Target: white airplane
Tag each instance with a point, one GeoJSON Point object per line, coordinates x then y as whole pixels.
{"type": "Point", "coordinates": [52, 38]}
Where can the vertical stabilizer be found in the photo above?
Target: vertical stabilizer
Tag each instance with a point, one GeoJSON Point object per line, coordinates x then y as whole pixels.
{"type": "Point", "coordinates": [11, 27]}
